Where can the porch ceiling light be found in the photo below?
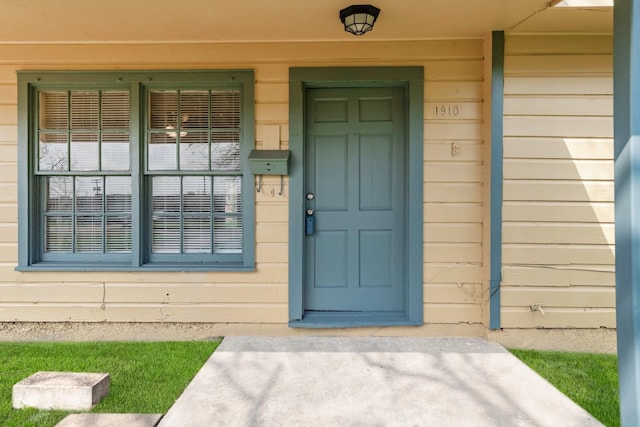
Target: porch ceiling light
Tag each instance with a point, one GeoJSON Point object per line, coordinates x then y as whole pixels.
{"type": "Point", "coordinates": [358, 19]}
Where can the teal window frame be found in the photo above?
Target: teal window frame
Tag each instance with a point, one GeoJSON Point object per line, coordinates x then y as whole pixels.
{"type": "Point", "coordinates": [137, 83]}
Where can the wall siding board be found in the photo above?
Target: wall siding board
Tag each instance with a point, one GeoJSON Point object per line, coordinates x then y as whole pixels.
{"type": "Point", "coordinates": [560, 318]}
{"type": "Point", "coordinates": [559, 105]}
{"type": "Point", "coordinates": [558, 213]}
{"type": "Point", "coordinates": [452, 313]}
{"type": "Point", "coordinates": [559, 233]}
{"type": "Point", "coordinates": [8, 133]}
{"type": "Point", "coordinates": [441, 151]}
{"type": "Point", "coordinates": [183, 293]}
{"type": "Point", "coordinates": [558, 148]}
{"type": "Point", "coordinates": [561, 45]}
{"type": "Point", "coordinates": [41, 293]}
{"type": "Point", "coordinates": [570, 64]}
{"type": "Point", "coordinates": [450, 272]}
{"type": "Point", "coordinates": [453, 252]}
{"type": "Point", "coordinates": [567, 126]}
{"type": "Point", "coordinates": [461, 233]}
{"type": "Point", "coordinates": [8, 232]}
{"type": "Point", "coordinates": [452, 91]}
{"type": "Point", "coordinates": [457, 293]}
{"type": "Point", "coordinates": [559, 276]}
{"type": "Point", "coordinates": [564, 254]}
{"type": "Point", "coordinates": [575, 191]}
{"type": "Point", "coordinates": [576, 297]}
{"type": "Point", "coordinates": [453, 212]}
{"type": "Point", "coordinates": [566, 170]}
{"type": "Point", "coordinates": [224, 313]}
{"type": "Point", "coordinates": [558, 85]}
{"type": "Point", "coordinates": [561, 211]}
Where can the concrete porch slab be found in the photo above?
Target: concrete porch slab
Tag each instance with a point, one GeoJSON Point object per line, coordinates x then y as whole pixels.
{"type": "Point", "coordinates": [346, 381]}
{"type": "Point", "coordinates": [68, 391]}
{"type": "Point", "coordinates": [110, 420]}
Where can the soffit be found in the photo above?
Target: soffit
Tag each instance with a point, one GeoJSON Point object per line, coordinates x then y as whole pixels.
{"type": "Point", "coordinates": [123, 21]}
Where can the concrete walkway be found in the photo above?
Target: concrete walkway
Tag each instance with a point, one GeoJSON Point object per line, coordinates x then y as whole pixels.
{"type": "Point", "coordinates": [320, 381]}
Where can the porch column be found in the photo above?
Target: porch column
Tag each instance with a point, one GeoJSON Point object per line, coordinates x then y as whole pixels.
{"type": "Point", "coordinates": [627, 203]}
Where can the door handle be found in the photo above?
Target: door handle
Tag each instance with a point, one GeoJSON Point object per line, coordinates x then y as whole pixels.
{"type": "Point", "coordinates": [310, 222]}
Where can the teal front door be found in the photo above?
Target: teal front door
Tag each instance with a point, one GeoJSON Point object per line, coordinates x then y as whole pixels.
{"type": "Point", "coordinates": [355, 196]}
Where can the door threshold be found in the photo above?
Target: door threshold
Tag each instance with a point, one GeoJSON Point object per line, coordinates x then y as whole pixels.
{"type": "Point", "coordinates": [351, 319]}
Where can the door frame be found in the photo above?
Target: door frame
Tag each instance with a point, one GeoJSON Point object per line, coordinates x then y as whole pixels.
{"type": "Point", "coordinates": [410, 78]}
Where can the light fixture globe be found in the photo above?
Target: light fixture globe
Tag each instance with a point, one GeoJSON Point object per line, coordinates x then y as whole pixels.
{"type": "Point", "coordinates": [359, 19]}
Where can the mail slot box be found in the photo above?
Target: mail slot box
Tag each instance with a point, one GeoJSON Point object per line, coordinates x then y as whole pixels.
{"type": "Point", "coordinates": [269, 162]}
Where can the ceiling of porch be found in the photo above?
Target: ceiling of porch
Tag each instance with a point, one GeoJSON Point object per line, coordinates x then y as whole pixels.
{"type": "Point", "coordinates": [92, 21]}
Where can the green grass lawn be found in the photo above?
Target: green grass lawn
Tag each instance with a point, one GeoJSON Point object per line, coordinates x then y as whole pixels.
{"type": "Point", "coordinates": [146, 377]}
{"type": "Point", "coordinates": [590, 380]}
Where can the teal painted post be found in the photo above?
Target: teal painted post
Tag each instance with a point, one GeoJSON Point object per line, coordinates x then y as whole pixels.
{"type": "Point", "coordinates": [627, 201]}
{"type": "Point", "coordinates": [497, 109]}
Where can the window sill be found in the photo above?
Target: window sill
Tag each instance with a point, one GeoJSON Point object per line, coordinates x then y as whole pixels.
{"type": "Point", "coordinates": [151, 267]}
{"type": "Point", "coordinates": [337, 319]}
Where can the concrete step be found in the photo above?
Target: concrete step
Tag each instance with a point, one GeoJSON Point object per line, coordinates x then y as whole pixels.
{"type": "Point", "coordinates": [68, 391]}
{"type": "Point", "coordinates": [110, 420]}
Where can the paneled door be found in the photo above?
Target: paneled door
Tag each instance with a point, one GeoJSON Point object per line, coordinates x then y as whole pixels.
{"type": "Point", "coordinates": [355, 196]}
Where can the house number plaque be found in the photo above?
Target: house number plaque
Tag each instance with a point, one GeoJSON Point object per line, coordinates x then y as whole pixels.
{"type": "Point", "coordinates": [446, 111]}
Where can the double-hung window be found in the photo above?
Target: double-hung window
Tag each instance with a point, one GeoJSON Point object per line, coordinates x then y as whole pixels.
{"type": "Point", "coordinates": [135, 170]}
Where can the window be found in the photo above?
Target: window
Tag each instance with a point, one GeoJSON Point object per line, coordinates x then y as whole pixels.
{"type": "Point", "coordinates": [136, 170]}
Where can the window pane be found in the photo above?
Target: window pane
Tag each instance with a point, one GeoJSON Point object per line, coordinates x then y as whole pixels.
{"type": "Point", "coordinates": [115, 110]}
{"type": "Point", "coordinates": [115, 151]}
{"type": "Point", "coordinates": [197, 235]}
{"type": "Point", "coordinates": [166, 194]}
{"type": "Point", "coordinates": [89, 191]}
{"type": "Point", "coordinates": [225, 156]}
{"type": "Point", "coordinates": [88, 234]}
{"type": "Point", "coordinates": [196, 192]}
{"type": "Point", "coordinates": [53, 152]}
{"type": "Point", "coordinates": [118, 194]}
{"type": "Point", "coordinates": [119, 234]}
{"type": "Point", "coordinates": [227, 194]}
{"type": "Point", "coordinates": [227, 235]}
{"type": "Point", "coordinates": [194, 109]}
{"type": "Point", "coordinates": [194, 151]}
{"type": "Point", "coordinates": [85, 152]}
{"type": "Point", "coordinates": [59, 194]}
{"type": "Point", "coordinates": [165, 234]}
{"type": "Point", "coordinates": [84, 110]}
{"type": "Point", "coordinates": [162, 151]}
{"type": "Point", "coordinates": [58, 233]}
{"type": "Point", "coordinates": [163, 106]}
{"type": "Point", "coordinates": [53, 111]}
{"type": "Point", "coordinates": [225, 109]}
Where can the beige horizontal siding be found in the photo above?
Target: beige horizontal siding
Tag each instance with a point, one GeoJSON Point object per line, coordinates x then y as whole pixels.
{"type": "Point", "coordinates": [452, 313]}
{"type": "Point", "coordinates": [445, 272]}
{"type": "Point", "coordinates": [563, 105]}
{"type": "Point", "coordinates": [555, 233]}
{"type": "Point", "coordinates": [555, 169]}
{"type": "Point", "coordinates": [558, 231]}
{"type": "Point", "coordinates": [224, 313]}
{"type": "Point", "coordinates": [558, 64]}
{"type": "Point", "coordinates": [453, 187]}
{"type": "Point", "coordinates": [555, 85]}
{"type": "Point", "coordinates": [453, 293]}
{"type": "Point", "coordinates": [574, 275]}
{"type": "Point", "coordinates": [576, 297]}
{"type": "Point", "coordinates": [558, 148]}
{"type": "Point", "coordinates": [559, 211]}
{"type": "Point", "coordinates": [440, 151]}
{"type": "Point", "coordinates": [559, 317]}
{"type": "Point", "coordinates": [453, 212]}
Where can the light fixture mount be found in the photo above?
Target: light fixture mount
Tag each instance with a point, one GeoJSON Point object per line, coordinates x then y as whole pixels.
{"type": "Point", "coordinates": [359, 19]}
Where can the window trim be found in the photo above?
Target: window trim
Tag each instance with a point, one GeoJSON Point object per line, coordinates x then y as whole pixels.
{"type": "Point", "coordinates": [29, 209]}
